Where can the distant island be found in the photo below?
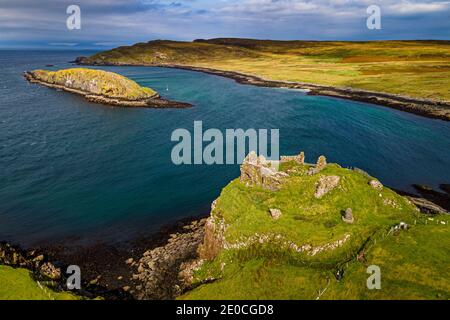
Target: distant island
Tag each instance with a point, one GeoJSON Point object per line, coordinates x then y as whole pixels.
{"type": "Point", "coordinates": [102, 87]}
{"type": "Point", "coordinates": [412, 76]}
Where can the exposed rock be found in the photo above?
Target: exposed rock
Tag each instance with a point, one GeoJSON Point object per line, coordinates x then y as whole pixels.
{"type": "Point", "coordinates": [321, 163]}
{"type": "Point", "coordinates": [186, 275]}
{"type": "Point", "coordinates": [257, 171]}
{"type": "Point", "coordinates": [39, 258]}
{"type": "Point", "coordinates": [129, 261]}
{"type": "Point", "coordinates": [275, 213]}
{"type": "Point", "coordinates": [300, 159]}
{"type": "Point", "coordinates": [158, 272]}
{"type": "Point", "coordinates": [426, 206]}
{"type": "Point", "coordinates": [214, 238]}
{"type": "Point", "coordinates": [347, 217]}
{"type": "Point", "coordinates": [48, 270]}
{"type": "Point", "coordinates": [325, 185]}
{"type": "Point", "coordinates": [376, 184]}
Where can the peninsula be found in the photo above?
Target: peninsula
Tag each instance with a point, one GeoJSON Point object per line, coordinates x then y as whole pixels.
{"type": "Point", "coordinates": [304, 231]}
{"type": "Point", "coordinates": [102, 87]}
{"type": "Point", "coordinates": [411, 76]}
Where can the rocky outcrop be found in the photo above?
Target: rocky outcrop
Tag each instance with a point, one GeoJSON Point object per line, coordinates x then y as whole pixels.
{"type": "Point", "coordinates": [426, 206]}
{"type": "Point", "coordinates": [49, 271]}
{"type": "Point", "coordinates": [163, 272]}
{"type": "Point", "coordinates": [257, 171]}
{"type": "Point", "coordinates": [325, 185]}
{"type": "Point", "coordinates": [376, 184]}
{"type": "Point", "coordinates": [300, 159]}
{"type": "Point", "coordinates": [31, 260]}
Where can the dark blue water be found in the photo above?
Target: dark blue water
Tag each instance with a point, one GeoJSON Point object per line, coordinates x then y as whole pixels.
{"type": "Point", "coordinates": [70, 169]}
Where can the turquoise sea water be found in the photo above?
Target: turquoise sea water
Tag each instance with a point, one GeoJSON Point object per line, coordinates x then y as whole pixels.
{"type": "Point", "coordinates": [70, 169]}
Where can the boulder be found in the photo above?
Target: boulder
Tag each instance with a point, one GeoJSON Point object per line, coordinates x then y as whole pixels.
{"type": "Point", "coordinates": [275, 213]}
{"type": "Point", "coordinates": [347, 217]}
{"type": "Point", "coordinates": [325, 185]}
{"type": "Point", "coordinates": [49, 271]}
{"type": "Point", "coordinates": [376, 184]}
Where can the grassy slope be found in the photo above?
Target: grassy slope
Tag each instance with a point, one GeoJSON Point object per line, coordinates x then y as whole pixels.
{"type": "Point", "coordinates": [413, 68]}
{"type": "Point", "coordinates": [98, 82]}
{"type": "Point", "coordinates": [17, 284]}
{"type": "Point", "coordinates": [414, 263]}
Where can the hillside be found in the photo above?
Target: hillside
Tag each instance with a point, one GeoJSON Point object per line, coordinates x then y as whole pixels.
{"type": "Point", "coordinates": [419, 69]}
{"type": "Point", "coordinates": [310, 232]}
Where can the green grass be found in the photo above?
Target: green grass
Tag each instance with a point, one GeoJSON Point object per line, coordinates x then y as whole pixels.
{"type": "Point", "coordinates": [98, 82]}
{"type": "Point", "coordinates": [411, 68]}
{"type": "Point", "coordinates": [414, 262]}
{"type": "Point", "coordinates": [17, 284]}
{"type": "Point", "coordinates": [414, 265]}
{"type": "Point", "coordinates": [307, 220]}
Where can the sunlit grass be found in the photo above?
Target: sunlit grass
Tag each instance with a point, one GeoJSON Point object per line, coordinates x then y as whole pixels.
{"type": "Point", "coordinates": [411, 68]}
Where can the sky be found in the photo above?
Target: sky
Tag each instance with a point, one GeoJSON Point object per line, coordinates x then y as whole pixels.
{"type": "Point", "coordinates": [111, 23]}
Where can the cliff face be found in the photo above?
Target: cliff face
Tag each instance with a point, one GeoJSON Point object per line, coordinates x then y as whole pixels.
{"type": "Point", "coordinates": [313, 233]}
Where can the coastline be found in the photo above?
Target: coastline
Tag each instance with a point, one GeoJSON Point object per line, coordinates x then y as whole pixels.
{"type": "Point", "coordinates": [121, 271]}
{"type": "Point", "coordinates": [423, 107]}
{"type": "Point", "coordinates": [155, 267]}
{"type": "Point", "coordinates": [156, 102]}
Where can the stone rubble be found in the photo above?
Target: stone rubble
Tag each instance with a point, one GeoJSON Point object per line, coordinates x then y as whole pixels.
{"type": "Point", "coordinates": [257, 171]}
{"type": "Point", "coordinates": [320, 165]}
{"type": "Point", "coordinates": [300, 159]}
{"type": "Point", "coordinates": [160, 272]}
{"type": "Point", "coordinates": [325, 185]}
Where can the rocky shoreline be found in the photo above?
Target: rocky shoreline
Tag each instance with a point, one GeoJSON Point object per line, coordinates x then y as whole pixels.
{"type": "Point", "coordinates": [424, 107]}
{"type": "Point", "coordinates": [154, 102]}
{"type": "Point", "coordinates": [155, 268]}
{"type": "Point", "coordinates": [150, 268]}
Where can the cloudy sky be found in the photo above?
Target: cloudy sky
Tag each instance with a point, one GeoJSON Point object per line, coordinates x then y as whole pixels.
{"type": "Point", "coordinates": [110, 23]}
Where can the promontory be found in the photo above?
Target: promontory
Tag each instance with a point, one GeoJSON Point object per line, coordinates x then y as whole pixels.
{"type": "Point", "coordinates": [102, 87]}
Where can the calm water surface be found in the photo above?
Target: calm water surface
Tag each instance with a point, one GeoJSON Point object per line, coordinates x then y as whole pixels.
{"type": "Point", "coordinates": [70, 169]}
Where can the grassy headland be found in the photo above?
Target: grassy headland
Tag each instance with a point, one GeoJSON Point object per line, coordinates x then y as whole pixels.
{"type": "Point", "coordinates": [416, 69]}
{"type": "Point", "coordinates": [310, 251]}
